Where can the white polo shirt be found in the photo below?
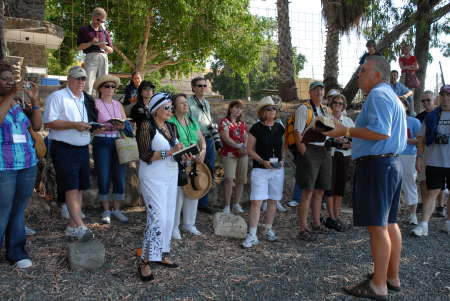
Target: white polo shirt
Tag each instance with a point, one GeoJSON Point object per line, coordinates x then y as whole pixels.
{"type": "Point", "coordinates": [64, 105]}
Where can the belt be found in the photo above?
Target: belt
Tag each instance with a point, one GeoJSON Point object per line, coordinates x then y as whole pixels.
{"type": "Point", "coordinates": [375, 157]}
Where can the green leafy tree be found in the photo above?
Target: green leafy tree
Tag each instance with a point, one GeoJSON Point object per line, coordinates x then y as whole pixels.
{"type": "Point", "coordinates": [167, 36]}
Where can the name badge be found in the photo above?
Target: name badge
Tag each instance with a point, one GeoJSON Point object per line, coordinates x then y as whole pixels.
{"type": "Point", "coordinates": [273, 160]}
{"type": "Point", "coordinates": [19, 138]}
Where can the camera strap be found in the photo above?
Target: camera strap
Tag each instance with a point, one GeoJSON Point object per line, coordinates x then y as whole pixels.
{"type": "Point", "coordinates": [203, 108]}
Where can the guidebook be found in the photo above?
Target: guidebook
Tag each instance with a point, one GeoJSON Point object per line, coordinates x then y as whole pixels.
{"type": "Point", "coordinates": [193, 150]}
{"type": "Point", "coordinates": [313, 133]}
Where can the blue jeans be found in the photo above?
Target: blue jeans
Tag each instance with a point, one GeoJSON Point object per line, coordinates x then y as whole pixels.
{"type": "Point", "coordinates": [16, 187]}
{"type": "Point", "coordinates": [107, 167]}
{"type": "Point", "coordinates": [297, 192]}
{"type": "Point", "coordinates": [210, 159]}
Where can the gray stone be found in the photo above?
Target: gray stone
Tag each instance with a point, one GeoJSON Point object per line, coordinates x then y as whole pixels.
{"type": "Point", "coordinates": [229, 225]}
{"type": "Point", "coordinates": [86, 256]}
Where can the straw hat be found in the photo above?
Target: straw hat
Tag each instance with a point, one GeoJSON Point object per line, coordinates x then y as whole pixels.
{"type": "Point", "coordinates": [199, 181]}
{"type": "Point", "coordinates": [264, 102]}
{"type": "Point", "coordinates": [104, 79]}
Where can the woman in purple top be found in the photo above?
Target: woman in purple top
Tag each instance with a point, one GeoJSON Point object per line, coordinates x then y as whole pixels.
{"type": "Point", "coordinates": [105, 155]}
{"type": "Point", "coordinates": [18, 165]}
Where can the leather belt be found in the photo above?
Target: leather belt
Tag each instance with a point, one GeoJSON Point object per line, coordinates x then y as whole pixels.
{"type": "Point", "coordinates": [375, 157]}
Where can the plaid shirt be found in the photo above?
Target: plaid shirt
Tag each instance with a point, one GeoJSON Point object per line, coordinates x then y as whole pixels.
{"type": "Point", "coordinates": [16, 156]}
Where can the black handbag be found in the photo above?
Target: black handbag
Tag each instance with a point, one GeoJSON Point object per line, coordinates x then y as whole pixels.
{"type": "Point", "coordinates": [182, 175]}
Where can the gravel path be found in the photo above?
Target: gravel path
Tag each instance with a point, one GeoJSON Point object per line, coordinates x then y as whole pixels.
{"type": "Point", "coordinates": [214, 268]}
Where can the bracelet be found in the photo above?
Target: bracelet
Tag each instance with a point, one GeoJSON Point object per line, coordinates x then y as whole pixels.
{"type": "Point", "coordinates": [35, 107]}
{"type": "Point", "coordinates": [163, 155]}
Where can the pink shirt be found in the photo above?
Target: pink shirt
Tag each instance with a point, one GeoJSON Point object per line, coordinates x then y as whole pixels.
{"type": "Point", "coordinates": [107, 111]}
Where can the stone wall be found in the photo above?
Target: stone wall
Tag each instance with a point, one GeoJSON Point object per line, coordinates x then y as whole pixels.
{"type": "Point", "coordinates": [28, 9]}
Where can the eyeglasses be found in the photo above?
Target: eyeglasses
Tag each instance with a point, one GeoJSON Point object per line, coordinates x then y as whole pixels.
{"type": "Point", "coordinates": [426, 99]}
{"type": "Point", "coordinates": [201, 86]}
{"type": "Point", "coordinates": [168, 107]}
{"type": "Point", "coordinates": [271, 108]}
{"type": "Point", "coordinates": [109, 86]}
{"type": "Point", "coordinates": [101, 21]}
{"type": "Point", "coordinates": [338, 103]}
{"type": "Point", "coordinates": [7, 79]}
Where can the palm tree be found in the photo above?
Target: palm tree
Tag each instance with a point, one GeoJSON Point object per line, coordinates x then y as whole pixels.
{"type": "Point", "coordinates": [341, 16]}
{"type": "Point", "coordinates": [286, 75]}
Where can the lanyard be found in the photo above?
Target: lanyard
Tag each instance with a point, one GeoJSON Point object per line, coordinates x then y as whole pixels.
{"type": "Point", "coordinates": [202, 107]}
{"type": "Point", "coordinates": [186, 132]}
{"type": "Point", "coordinates": [315, 109]}
{"type": "Point", "coordinates": [78, 108]}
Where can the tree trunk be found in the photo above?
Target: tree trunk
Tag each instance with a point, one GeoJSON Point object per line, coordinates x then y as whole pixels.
{"type": "Point", "coordinates": [422, 47]}
{"type": "Point", "coordinates": [286, 76]}
{"type": "Point", "coordinates": [331, 68]}
{"type": "Point", "coordinates": [2, 33]}
{"type": "Point", "coordinates": [351, 88]}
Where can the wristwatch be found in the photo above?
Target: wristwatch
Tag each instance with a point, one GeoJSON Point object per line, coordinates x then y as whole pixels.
{"type": "Point", "coordinates": [163, 155]}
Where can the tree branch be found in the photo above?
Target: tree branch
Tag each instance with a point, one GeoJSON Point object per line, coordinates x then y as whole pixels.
{"type": "Point", "coordinates": [141, 57]}
{"type": "Point", "coordinates": [156, 67]}
{"type": "Point", "coordinates": [122, 55]}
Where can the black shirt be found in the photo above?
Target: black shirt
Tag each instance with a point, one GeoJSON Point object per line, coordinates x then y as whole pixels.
{"type": "Point", "coordinates": [421, 116]}
{"type": "Point", "coordinates": [269, 141]}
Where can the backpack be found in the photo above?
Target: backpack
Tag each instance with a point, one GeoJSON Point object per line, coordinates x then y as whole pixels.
{"type": "Point", "coordinates": [290, 133]}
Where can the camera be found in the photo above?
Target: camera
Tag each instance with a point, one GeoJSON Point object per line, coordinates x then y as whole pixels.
{"type": "Point", "coordinates": [27, 85]}
{"type": "Point", "coordinates": [213, 130]}
{"type": "Point", "coordinates": [331, 142]}
{"type": "Point", "coordinates": [441, 139]}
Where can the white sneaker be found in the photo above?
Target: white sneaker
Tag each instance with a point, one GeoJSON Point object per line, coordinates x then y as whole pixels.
{"type": "Point", "coordinates": [292, 203]}
{"type": "Point", "coordinates": [226, 209]}
{"type": "Point", "coordinates": [250, 241]}
{"type": "Point", "coordinates": [280, 207]}
{"type": "Point", "coordinates": [412, 219]}
{"type": "Point", "coordinates": [420, 230]}
{"type": "Point", "coordinates": [29, 231]}
{"type": "Point", "coordinates": [192, 230]}
{"type": "Point", "coordinates": [106, 217]}
{"type": "Point", "coordinates": [264, 206]}
{"type": "Point", "coordinates": [120, 216]}
{"type": "Point", "coordinates": [238, 208]}
{"type": "Point", "coordinates": [65, 212]}
{"type": "Point", "coordinates": [446, 227]}
{"type": "Point", "coordinates": [270, 235]}
{"type": "Point", "coordinates": [23, 264]}
{"type": "Point", "coordinates": [81, 233]}
{"type": "Point", "coordinates": [176, 234]}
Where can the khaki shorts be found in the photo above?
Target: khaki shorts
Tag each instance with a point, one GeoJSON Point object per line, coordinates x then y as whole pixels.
{"type": "Point", "coordinates": [236, 168]}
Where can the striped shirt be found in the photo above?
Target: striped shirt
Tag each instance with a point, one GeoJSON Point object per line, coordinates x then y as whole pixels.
{"type": "Point", "coordinates": [16, 156]}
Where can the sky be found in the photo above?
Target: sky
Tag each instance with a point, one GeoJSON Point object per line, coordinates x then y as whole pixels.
{"type": "Point", "coordinates": [309, 36]}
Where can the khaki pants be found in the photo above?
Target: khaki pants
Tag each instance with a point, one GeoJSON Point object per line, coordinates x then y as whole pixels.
{"type": "Point", "coordinates": [96, 65]}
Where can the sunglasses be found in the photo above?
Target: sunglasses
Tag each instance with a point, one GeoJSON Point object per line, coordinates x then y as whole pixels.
{"type": "Point", "coordinates": [101, 21]}
{"type": "Point", "coordinates": [109, 86]}
{"type": "Point", "coordinates": [201, 86]}
{"type": "Point", "coordinates": [8, 79]}
{"type": "Point", "coordinates": [426, 99]}
{"type": "Point", "coordinates": [147, 89]}
{"type": "Point", "coordinates": [271, 108]}
{"type": "Point", "coordinates": [83, 78]}
{"type": "Point", "coordinates": [168, 107]}
{"type": "Point", "coordinates": [338, 103]}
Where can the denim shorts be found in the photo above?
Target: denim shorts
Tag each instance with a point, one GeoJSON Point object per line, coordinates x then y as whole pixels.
{"type": "Point", "coordinates": [71, 166]}
{"type": "Point", "coordinates": [376, 191]}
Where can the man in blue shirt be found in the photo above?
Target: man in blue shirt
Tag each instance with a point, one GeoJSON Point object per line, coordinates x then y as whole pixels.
{"type": "Point", "coordinates": [402, 91]}
{"type": "Point", "coordinates": [378, 138]}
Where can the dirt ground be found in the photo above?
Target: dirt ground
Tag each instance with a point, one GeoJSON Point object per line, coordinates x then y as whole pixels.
{"type": "Point", "coordinates": [216, 268]}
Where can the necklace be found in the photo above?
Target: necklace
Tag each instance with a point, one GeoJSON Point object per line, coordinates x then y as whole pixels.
{"type": "Point", "coordinates": [113, 115]}
{"type": "Point", "coordinates": [78, 108]}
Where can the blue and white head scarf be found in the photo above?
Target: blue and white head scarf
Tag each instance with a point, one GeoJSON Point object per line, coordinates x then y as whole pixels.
{"type": "Point", "coordinates": [158, 100]}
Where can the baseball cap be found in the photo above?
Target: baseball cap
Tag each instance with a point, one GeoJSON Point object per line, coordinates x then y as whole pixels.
{"type": "Point", "coordinates": [315, 84]}
{"type": "Point", "coordinates": [333, 92]}
{"type": "Point", "coordinates": [445, 89]}
{"type": "Point", "coordinates": [77, 72]}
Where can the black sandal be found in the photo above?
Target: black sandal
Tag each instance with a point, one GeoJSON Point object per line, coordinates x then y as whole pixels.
{"type": "Point", "coordinates": [166, 263]}
{"type": "Point", "coordinates": [364, 290]}
{"type": "Point", "coordinates": [388, 284]}
{"type": "Point", "coordinates": [141, 275]}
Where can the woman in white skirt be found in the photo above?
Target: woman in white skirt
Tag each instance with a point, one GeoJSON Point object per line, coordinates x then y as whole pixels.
{"type": "Point", "coordinates": [158, 174]}
{"type": "Point", "coordinates": [189, 133]}
{"type": "Point", "coordinates": [265, 147]}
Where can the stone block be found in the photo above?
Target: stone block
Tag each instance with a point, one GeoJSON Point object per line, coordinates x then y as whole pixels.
{"type": "Point", "coordinates": [229, 225]}
{"type": "Point", "coordinates": [86, 256]}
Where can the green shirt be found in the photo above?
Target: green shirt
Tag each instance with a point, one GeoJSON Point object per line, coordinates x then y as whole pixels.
{"type": "Point", "coordinates": [187, 135]}
{"type": "Point", "coordinates": [203, 117]}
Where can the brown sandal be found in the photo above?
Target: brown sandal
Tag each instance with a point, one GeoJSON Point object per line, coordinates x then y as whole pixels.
{"type": "Point", "coordinates": [321, 229]}
{"type": "Point", "coordinates": [306, 235]}
{"type": "Point", "coordinates": [388, 284]}
{"type": "Point", "coordinates": [143, 277]}
{"type": "Point", "coordinates": [166, 263]}
{"type": "Point", "coordinates": [364, 290]}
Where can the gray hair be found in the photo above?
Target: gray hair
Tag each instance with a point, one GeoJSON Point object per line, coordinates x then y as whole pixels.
{"type": "Point", "coordinates": [381, 65]}
{"type": "Point", "coordinates": [98, 11]}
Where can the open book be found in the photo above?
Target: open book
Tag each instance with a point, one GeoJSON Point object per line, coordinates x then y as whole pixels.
{"type": "Point", "coordinates": [313, 133]}
{"type": "Point", "coordinates": [117, 120]}
{"type": "Point", "coordinates": [193, 150]}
